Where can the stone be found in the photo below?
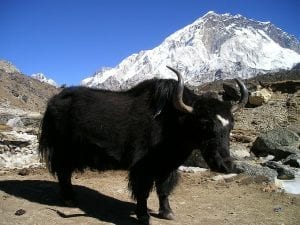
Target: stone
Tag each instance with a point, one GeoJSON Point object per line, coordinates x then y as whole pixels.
{"type": "Point", "coordinates": [284, 172]}
{"type": "Point", "coordinates": [256, 170]}
{"type": "Point", "coordinates": [13, 139]}
{"type": "Point", "coordinates": [191, 169]}
{"type": "Point", "coordinates": [280, 142]}
{"type": "Point", "coordinates": [278, 209]}
{"type": "Point", "coordinates": [239, 151]}
{"type": "Point", "coordinates": [18, 149]}
{"type": "Point", "coordinates": [24, 172]}
{"type": "Point", "coordinates": [257, 98]}
{"type": "Point", "coordinates": [15, 122]}
{"type": "Point", "coordinates": [20, 212]}
{"type": "Point", "coordinates": [224, 177]}
{"type": "Point", "coordinates": [266, 158]}
{"type": "Point", "coordinates": [292, 160]}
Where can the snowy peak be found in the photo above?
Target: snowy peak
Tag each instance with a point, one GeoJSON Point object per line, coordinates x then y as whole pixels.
{"type": "Point", "coordinates": [215, 46]}
{"type": "Point", "coordinates": [224, 26]}
{"type": "Point", "coordinates": [42, 78]}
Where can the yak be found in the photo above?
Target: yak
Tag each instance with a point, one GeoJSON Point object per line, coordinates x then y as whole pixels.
{"type": "Point", "coordinates": [149, 130]}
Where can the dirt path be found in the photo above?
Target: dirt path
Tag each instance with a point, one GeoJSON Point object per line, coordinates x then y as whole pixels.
{"type": "Point", "coordinates": [104, 199]}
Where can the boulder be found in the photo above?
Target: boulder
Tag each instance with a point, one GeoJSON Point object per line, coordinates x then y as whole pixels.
{"type": "Point", "coordinates": [14, 139]}
{"type": "Point", "coordinates": [18, 150]}
{"type": "Point", "coordinates": [292, 160]}
{"type": "Point", "coordinates": [280, 142]}
{"type": "Point", "coordinates": [257, 98]}
{"type": "Point", "coordinates": [284, 172]}
{"type": "Point", "coordinates": [253, 169]}
{"type": "Point", "coordinates": [239, 151]}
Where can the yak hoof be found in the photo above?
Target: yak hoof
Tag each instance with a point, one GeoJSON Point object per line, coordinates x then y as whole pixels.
{"type": "Point", "coordinates": [167, 215]}
{"type": "Point", "coordinates": [145, 220]}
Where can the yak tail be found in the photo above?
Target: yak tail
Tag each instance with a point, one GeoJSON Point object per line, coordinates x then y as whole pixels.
{"type": "Point", "coordinates": [47, 141]}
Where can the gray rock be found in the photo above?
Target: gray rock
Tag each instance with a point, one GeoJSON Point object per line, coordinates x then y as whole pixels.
{"type": "Point", "coordinates": [15, 122]}
{"type": "Point", "coordinates": [295, 129]}
{"type": "Point", "coordinates": [11, 139]}
{"type": "Point", "coordinates": [4, 118]}
{"type": "Point", "coordinates": [278, 209]}
{"type": "Point", "coordinates": [21, 119]}
{"type": "Point", "coordinates": [284, 172]}
{"type": "Point", "coordinates": [239, 151]}
{"type": "Point", "coordinates": [280, 142]}
{"type": "Point", "coordinates": [253, 169]}
{"type": "Point", "coordinates": [292, 160]}
{"type": "Point", "coordinates": [18, 149]}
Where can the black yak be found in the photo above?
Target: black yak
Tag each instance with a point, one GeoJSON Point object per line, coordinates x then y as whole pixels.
{"type": "Point", "coordinates": [149, 130]}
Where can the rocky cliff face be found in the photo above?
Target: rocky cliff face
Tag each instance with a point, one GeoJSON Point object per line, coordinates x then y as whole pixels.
{"type": "Point", "coordinates": [211, 48]}
{"type": "Point", "coordinates": [8, 67]}
{"type": "Point", "coordinates": [18, 91]}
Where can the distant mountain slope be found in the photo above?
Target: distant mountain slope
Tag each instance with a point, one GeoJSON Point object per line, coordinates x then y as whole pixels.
{"type": "Point", "coordinates": [42, 78]}
{"type": "Point", "coordinates": [213, 47]}
{"type": "Point", "coordinates": [22, 92]}
{"type": "Point", "coordinates": [8, 67]}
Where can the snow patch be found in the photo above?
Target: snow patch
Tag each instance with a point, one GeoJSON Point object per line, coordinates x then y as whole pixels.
{"type": "Point", "coordinates": [291, 186]}
{"type": "Point", "coordinates": [42, 78]}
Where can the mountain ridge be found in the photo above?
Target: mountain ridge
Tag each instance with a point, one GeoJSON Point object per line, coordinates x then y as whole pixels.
{"type": "Point", "coordinates": [21, 92]}
{"type": "Point", "coordinates": [43, 78]}
{"type": "Point", "coordinates": [215, 46]}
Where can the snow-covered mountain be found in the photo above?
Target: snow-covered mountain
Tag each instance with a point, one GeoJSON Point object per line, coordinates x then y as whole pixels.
{"type": "Point", "coordinates": [215, 46]}
{"type": "Point", "coordinates": [41, 77]}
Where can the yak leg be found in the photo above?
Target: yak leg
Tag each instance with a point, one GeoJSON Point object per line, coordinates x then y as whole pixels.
{"type": "Point", "coordinates": [66, 189]}
{"type": "Point", "coordinates": [141, 183]}
{"type": "Point", "coordinates": [164, 187]}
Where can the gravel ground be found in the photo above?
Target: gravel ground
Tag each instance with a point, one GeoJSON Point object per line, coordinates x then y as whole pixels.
{"type": "Point", "coordinates": [103, 199]}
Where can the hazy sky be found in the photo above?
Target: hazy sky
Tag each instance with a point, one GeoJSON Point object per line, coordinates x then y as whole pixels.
{"type": "Point", "coordinates": [69, 40]}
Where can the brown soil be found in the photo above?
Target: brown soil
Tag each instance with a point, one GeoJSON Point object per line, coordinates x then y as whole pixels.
{"type": "Point", "coordinates": [103, 199]}
{"type": "Point", "coordinates": [23, 92]}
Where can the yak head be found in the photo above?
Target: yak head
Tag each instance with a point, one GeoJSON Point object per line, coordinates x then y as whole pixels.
{"type": "Point", "coordinates": [207, 124]}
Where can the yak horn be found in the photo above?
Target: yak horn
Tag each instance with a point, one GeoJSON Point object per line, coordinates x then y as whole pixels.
{"type": "Point", "coordinates": [178, 102]}
{"type": "Point", "coordinates": [244, 96]}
